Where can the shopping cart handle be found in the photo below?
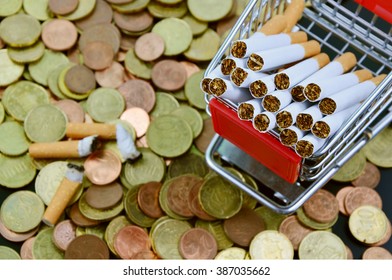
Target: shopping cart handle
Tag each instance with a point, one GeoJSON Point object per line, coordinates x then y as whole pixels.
{"type": "Point", "coordinates": [382, 8]}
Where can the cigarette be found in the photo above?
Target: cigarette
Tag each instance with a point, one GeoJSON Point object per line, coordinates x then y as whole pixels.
{"type": "Point", "coordinates": [64, 193]}
{"type": "Point", "coordinates": [242, 77]}
{"type": "Point", "coordinates": [260, 42]}
{"type": "Point", "coordinates": [308, 145]}
{"type": "Point", "coordinates": [126, 145]}
{"type": "Point", "coordinates": [264, 122]}
{"type": "Point", "coordinates": [274, 58]}
{"type": "Point", "coordinates": [335, 68]}
{"type": "Point", "coordinates": [262, 87]}
{"type": "Point", "coordinates": [348, 97]}
{"type": "Point", "coordinates": [205, 82]}
{"type": "Point", "coordinates": [317, 91]}
{"type": "Point", "coordinates": [248, 109]}
{"type": "Point", "coordinates": [81, 130]}
{"type": "Point", "coordinates": [225, 89]}
{"type": "Point", "coordinates": [276, 100]}
{"type": "Point", "coordinates": [290, 136]}
{"type": "Point", "coordinates": [329, 125]}
{"type": "Point", "coordinates": [228, 65]}
{"type": "Point", "coordinates": [293, 13]}
{"type": "Point", "coordinates": [274, 25]}
{"type": "Point", "coordinates": [308, 117]}
{"type": "Point", "coordinates": [287, 117]}
{"type": "Point", "coordinates": [300, 71]}
{"type": "Point", "coordinates": [64, 149]}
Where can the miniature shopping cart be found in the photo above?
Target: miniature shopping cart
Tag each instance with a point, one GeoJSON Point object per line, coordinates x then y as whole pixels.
{"type": "Point", "coordinates": [285, 180]}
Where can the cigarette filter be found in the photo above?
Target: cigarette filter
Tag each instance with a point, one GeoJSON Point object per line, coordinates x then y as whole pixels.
{"type": "Point", "coordinates": [242, 77]}
{"type": "Point", "coordinates": [287, 117]}
{"type": "Point", "coordinates": [308, 145]}
{"type": "Point", "coordinates": [276, 100]}
{"type": "Point", "coordinates": [329, 125]}
{"type": "Point", "coordinates": [262, 87]}
{"type": "Point", "coordinates": [248, 109]}
{"type": "Point", "coordinates": [67, 189]}
{"type": "Point", "coordinates": [81, 130]}
{"type": "Point", "coordinates": [293, 13]}
{"type": "Point", "coordinates": [349, 97]}
{"type": "Point", "coordinates": [335, 68]}
{"type": "Point", "coordinates": [205, 82]}
{"type": "Point", "coordinates": [317, 91]}
{"type": "Point", "coordinates": [264, 122]}
{"type": "Point", "coordinates": [259, 42]}
{"type": "Point", "coordinates": [290, 136]}
{"type": "Point", "coordinates": [274, 58]}
{"type": "Point", "coordinates": [308, 117]}
{"type": "Point", "coordinates": [228, 65]}
{"type": "Point", "coordinates": [274, 25]}
{"type": "Point", "coordinates": [126, 145]}
{"type": "Point", "coordinates": [64, 149]}
{"type": "Point", "coordinates": [300, 71]}
{"type": "Point", "coordinates": [225, 89]}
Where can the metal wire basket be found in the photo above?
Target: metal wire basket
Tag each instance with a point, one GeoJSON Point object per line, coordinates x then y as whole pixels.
{"type": "Point", "coordinates": [338, 29]}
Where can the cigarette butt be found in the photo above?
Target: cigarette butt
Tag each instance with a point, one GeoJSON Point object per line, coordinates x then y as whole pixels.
{"type": "Point", "coordinates": [293, 13]}
{"type": "Point", "coordinates": [64, 193]}
{"type": "Point", "coordinates": [81, 130]}
{"type": "Point", "coordinates": [275, 25]}
{"type": "Point", "coordinates": [377, 80]}
{"type": "Point", "coordinates": [363, 75]}
{"type": "Point", "coordinates": [347, 60]}
{"type": "Point", "coordinates": [64, 149]}
{"type": "Point", "coordinates": [298, 37]}
{"type": "Point", "coordinates": [322, 59]}
{"type": "Point", "coordinates": [311, 48]}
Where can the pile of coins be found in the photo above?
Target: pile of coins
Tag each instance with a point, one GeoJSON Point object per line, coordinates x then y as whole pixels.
{"type": "Point", "coordinates": [139, 64]}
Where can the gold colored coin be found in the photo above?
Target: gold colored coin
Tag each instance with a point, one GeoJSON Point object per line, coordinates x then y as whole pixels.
{"type": "Point", "coordinates": [9, 70]}
{"type": "Point", "coordinates": [352, 169]}
{"type": "Point", "coordinates": [271, 244]}
{"type": "Point", "coordinates": [322, 245]}
{"type": "Point", "coordinates": [378, 149]}
{"type": "Point", "coordinates": [20, 30]}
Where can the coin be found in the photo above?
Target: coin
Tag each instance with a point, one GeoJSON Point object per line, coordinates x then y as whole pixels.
{"type": "Point", "coordinates": [15, 236]}
{"type": "Point", "coordinates": [102, 13]}
{"type": "Point", "coordinates": [130, 241]}
{"type": "Point", "coordinates": [198, 27]}
{"type": "Point", "coordinates": [377, 151]}
{"type": "Point", "coordinates": [370, 177]}
{"type": "Point", "coordinates": [148, 199]}
{"type": "Point", "coordinates": [198, 244]}
{"type": "Point", "coordinates": [15, 143]}
{"type": "Point", "coordinates": [20, 30]}
{"type": "Point", "coordinates": [80, 79]}
{"type": "Point", "coordinates": [194, 203]}
{"type": "Point", "coordinates": [190, 67]}
{"type": "Point", "coordinates": [102, 167]}
{"type": "Point", "coordinates": [204, 139]}
{"type": "Point", "coordinates": [188, 163]}
{"type": "Point", "coordinates": [233, 253]}
{"type": "Point", "coordinates": [352, 169]}
{"type": "Point", "coordinates": [149, 46]}
{"type": "Point", "coordinates": [59, 34]}
{"type": "Point", "coordinates": [98, 55]}
{"type": "Point", "coordinates": [63, 234]}
{"type": "Point", "coordinates": [138, 93]}
{"type": "Point", "coordinates": [10, 8]}
{"type": "Point", "coordinates": [112, 228]}
{"type": "Point", "coordinates": [104, 196]}
{"type": "Point", "coordinates": [10, 71]}
{"type": "Point", "coordinates": [133, 211]}
{"type": "Point", "coordinates": [26, 250]}
{"type": "Point", "coordinates": [105, 104]}
{"type": "Point", "coordinates": [169, 75]}
{"type": "Point", "coordinates": [137, 67]}
{"type": "Point", "coordinates": [133, 22]}
{"type": "Point", "coordinates": [294, 230]}
{"type": "Point", "coordinates": [165, 103]}
{"type": "Point", "coordinates": [7, 253]}
{"type": "Point", "coordinates": [192, 117]}
{"type": "Point", "coordinates": [99, 214]}
{"type": "Point", "coordinates": [44, 248]}
{"type": "Point", "coordinates": [138, 118]}
{"type": "Point", "coordinates": [271, 244]}
{"type": "Point", "coordinates": [72, 109]}
{"type": "Point", "coordinates": [322, 206]}
{"type": "Point", "coordinates": [359, 196]}
{"type": "Point", "coordinates": [193, 91]}
{"type": "Point", "coordinates": [217, 230]}
{"type": "Point", "coordinates": [79, 219]}
{"type": "Point", "coordinates": [322, 245]}
{"type": "Point", "coordinates": [340, 196]}
{"type": "Point", "coordinates": [62, 7]}
{"type": "Point", "coordinates": [204, 47]}
{"type": "Point", "coordinates": [376, 253]}
{"type": "Point", "coordinates": [28, 54]}
{"type": "Point", "coordinates": [304, 219]}
{"type": "Point", "coordinates": [272, 219]}
{"type": "Point", "coordinates": [112, 76]}
{"type": "Point", "coordinates": [87, 246]}
{"type": "Point", "coordinates": [16, 171]}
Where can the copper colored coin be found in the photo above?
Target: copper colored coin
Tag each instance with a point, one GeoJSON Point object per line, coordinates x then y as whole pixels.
{"type": "Point", "coordinates": [64, 232]}
{"type": "Point", "coordinates": [102, 13]}
{"type": "Point", "coordinates": [59, 34]}
{"type": "Point", "coordinates": [111, 77]}
{"type": "Point", "coordinates": [243, 226]}
{"type": "Point", "coordinates": [87, 247]}
{"type": "Point", "coordinates": [340, 196]}
{"type": "Point", "coordinates": [148, 199]}
{"type": "Point", "coordinates": [142, 142]}
{"type": "Point", "coordinates": [80, 79]}
{"type": "Point", "coordinates": [294, 230]}
{"type": "Point", "coordinates": [206, 135]}
{"type": "Point", "coordinates": [62, 7]}
{"type": "Point", "coordinates": [370, 177]}
{"type": "Point", "coordinates": [178, 194]}
{"type": "Point", "coordinates": [198, 244]}
{"type": "Point", "coordinates": [103, 32]}
{"type": "Point", "coordinates": [15, 236]}
{"type": "Point", "coordinates": [145, 255]}
{"type": "Point", "coordinates": [149, 46]}
{"type": "Point", "coordinates": [169, 75]}
{"type": "Point", "coordinates": [72, 109]}
{"type": "Point", "coordinates": [138, 93]}
{"type": "Point", "coordinates": [104, 197]}
{"type": "Point", "coordinates": [138, 118]}
{"type": "Point", "coordinates": [190, 68]}
{"type": "Point", "coordinates": [361, 196]}
{"type": "Point", "coordinates": [98, 55]}
{"type": "Point", "coordinates": [26, 250]}
{"type": "Point", "coordinates": [134, 22]}
{"type": "Point", "coordinates": [322, 207]}
{"type": "Point", "coordinates": [194, 203]}
{"type": "Point", "coordinates": [127, 42]}
{"type": "Point", "coordinates": [376, 253]}
{"type": "Point", "coordinates": [102, 167]}
{"type": "Point", "coordinates": [130, 241]}
{"type": "Point", "coordinates": [350, 255]}
{"type": "Point", "coordinates": [79, 219]}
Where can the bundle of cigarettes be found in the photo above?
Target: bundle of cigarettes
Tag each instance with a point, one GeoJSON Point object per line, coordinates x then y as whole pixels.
{"type": "Point", "coordinates": [282, 81]}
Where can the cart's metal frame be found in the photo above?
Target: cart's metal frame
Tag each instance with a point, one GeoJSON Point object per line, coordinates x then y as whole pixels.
{"type": "Point", "coordinates": [338, 30]}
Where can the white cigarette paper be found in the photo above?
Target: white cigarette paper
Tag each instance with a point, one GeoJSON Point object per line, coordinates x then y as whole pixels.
{"type": "Point", "coordinates": [243, 77]}
{"type": "Point", "coordinates": [274, 58]}
{"type": "Point", "coordinates": [317, 91]}
{"type": "Point", "coordinates": [228, 65]}
{"type": "Point", "coordinates": [287, 116]}
{"type": "Point", "coordinates": [329, 125]}
{"type": "Point", "coordinates": [262, 87]}
{"type": "Point", "coordinates": [309, 145]}
{"type": "Point", "coordinates": [308, 117]}
{"type": "Point", "coordinates": [335, 68]}
{"type": "Point", "coordinates": [264, 122]}
{"type": "Point", "coordinates": [125, 144]}
{"type": "Point", "coordinates": [250, 108]}
{"type": "Point", "coordinates": [85, 145]}
{"type": "Point", "coordinates": [276, 100]}
{"type": "Point", "coordinates": [290, 136]}
{"type": "Point", "coordinates": [225, 89]}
